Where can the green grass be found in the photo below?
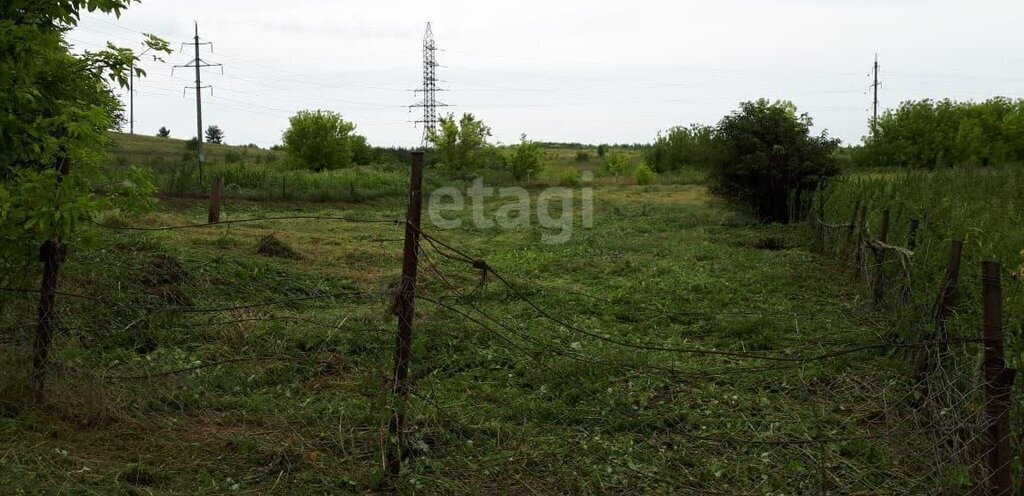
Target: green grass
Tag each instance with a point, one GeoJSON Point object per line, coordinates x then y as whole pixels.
{"type": "Point", "coordinates": [983, 209]}
{"type": "Point", "coordinates": [529, 408]}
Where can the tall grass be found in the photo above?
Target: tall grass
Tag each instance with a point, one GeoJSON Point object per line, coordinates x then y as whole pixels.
{"type": "Point", "coordinates": [264, 183]}
{"type": "Point", "coordinates": [984, 208]}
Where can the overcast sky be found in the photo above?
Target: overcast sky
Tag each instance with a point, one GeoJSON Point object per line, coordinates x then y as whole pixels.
{"type": "Point", "coordinates": [589, 71]}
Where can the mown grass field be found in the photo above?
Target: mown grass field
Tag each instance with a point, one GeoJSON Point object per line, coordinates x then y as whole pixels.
{"type": "Point", "coordinates": [174, 376]}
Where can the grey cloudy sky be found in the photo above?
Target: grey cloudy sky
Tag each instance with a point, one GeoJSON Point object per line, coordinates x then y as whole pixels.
{"type": "Point", "coordinates": [589, 71]}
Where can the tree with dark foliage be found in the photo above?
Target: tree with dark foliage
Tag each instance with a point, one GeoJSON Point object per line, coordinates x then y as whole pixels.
{"type": "Point", "coordinates": [766, 159]}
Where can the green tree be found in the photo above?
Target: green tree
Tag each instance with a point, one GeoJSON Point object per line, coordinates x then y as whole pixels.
{"type": "Point", "coordinates": [929, 134]}
{"type": "Point", "coordinates": [524, 161]}
{"type": "Point", "coordinates": [214, 134]}
{"type": "Point", "coordinates": [681, 147]}
{"type": "Point", "coordinates": [461, 146]}
{"type": "Point", "coordinates": [601, 150]}
{"type": "Point", "coordinates": [320, 140]}
{"type": "Point", "coordinates": [615, 163]}
{"type": "Point", "coordinates": [55, 110]}
{"type": "Point", "coordinates": [768, 158]}
{"type": "Point", "coordinates": [163, 132]}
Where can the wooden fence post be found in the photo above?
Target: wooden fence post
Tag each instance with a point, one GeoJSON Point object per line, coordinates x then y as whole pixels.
{"type": "Point", "coordinates": [819, 222]}
{"type": "Point", "coordinates": [851, 229]}
{"type": "Point", "coordinates": [941, 312]}
{"type": "Point", "coordinates": [858, 247]}
{"type": "Point", "coordinates": [215, 191]}
{"type": "Point", "coordinates": [912, 234]}
{"type": "Point", "coordinates": [51, 254]}
{"type": "Point", "coordinates": [883, 236]}
{"type": "Point", "coordinates": [405, 310]}
{"type": "Point", "coordinates": [947, 292]}
{"type": "Point", "coordinates": [998, 385]}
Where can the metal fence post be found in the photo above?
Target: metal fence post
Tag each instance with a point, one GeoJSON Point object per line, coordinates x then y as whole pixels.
{"type": "Point", "coordinates": [405, 310]}
{"type": "Point", "coordinates": [998, 385]}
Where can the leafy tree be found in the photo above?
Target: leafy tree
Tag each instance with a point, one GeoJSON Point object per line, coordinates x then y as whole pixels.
{"type": "Point", "coordinates": [320, 140]}
{"type": "Point", "coordinates": [56, 109]}
{"type": "Point", "coordinates": [680, 147]}
{"type": "Point", "coordinates": [362, 152]}
{"type": "Point", "coordinates": [214, 134]}
{"type": "Point", "coordinates": [461, 146]}
{"type": "Point", "coordinates": [615, 163]}
{"type": "Point", "coordinates": [525, 159]}
{"type": "Point", "coordinates": [767, 158]}
{"type": "Point", "coordinates": [929, 134]}
{"type": "Point", "coordinates": [601, 150]}
{"type": "Point", "coordinates": [163, 132]}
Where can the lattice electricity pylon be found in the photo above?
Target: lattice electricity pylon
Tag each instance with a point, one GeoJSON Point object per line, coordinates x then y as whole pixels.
{"type": "Point", "coordinates": [429, 102]}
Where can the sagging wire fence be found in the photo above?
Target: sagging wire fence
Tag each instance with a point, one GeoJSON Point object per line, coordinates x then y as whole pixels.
{"type": "Point", "coordinates": [941, 427]}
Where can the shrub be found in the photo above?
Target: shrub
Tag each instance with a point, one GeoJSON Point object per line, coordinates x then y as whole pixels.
{"type": "Point", "coordinates": [615, 164]}
{"type": "Point", "coordinates": [768, 159]}
{"type": "Point", "coordinates": [525, 159]}
{"type": "Point", "coordinates": [644, 175]}
{"type": "Point", "coordinates": [232, 157]}
{"type": "Point", "coordinates": [682, 146]}
{"type": "Point", "coordinates": [461, 145]}
{"type": "Point", "coordinates": [583, 156]}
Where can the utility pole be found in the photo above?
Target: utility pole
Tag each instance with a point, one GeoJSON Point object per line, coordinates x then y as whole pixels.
{"type": "Point", "coordinates": [874, 111]}
{"type": "Point", "coordinates": [429, 89]}
{"type": "Point", "coordinates": [198, 63]}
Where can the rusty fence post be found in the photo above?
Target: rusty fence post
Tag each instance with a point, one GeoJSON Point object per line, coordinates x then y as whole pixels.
{"type": "Point", "coordinates": [215, 192]}
{"type": "Point", "coordinates": [405, 310]}
{"type": "Point", "coordinates": [883, 236]}
{"type": "Point", "coordinates": [998, 385]}
{"type": "Point", "coordinates": [51, 254]}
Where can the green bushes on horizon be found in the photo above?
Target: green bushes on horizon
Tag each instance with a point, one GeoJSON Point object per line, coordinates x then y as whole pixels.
{"type": "Point", "coordinates": [931, 134]}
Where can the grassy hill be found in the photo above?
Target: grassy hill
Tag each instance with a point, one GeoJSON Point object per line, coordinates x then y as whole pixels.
{"type": "Point", "coordinates": [136, 149]}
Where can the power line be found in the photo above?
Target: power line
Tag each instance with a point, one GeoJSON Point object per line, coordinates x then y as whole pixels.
{"type": "Point", "coordinates": [198, 63]}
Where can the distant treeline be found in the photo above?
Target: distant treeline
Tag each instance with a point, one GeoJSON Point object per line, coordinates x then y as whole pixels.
{"type": "Point", "coordinates": [584, 146]}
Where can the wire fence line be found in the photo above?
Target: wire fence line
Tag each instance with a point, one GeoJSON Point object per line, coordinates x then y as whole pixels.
{"type": "Point", "coordinates": [944, 412]}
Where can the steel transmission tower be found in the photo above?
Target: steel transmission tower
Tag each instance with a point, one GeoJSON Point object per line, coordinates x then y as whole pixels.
{"type": "Point", "coordinates": [198, 63]}
{"type": "Point", "coordinates": [429, 89]}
